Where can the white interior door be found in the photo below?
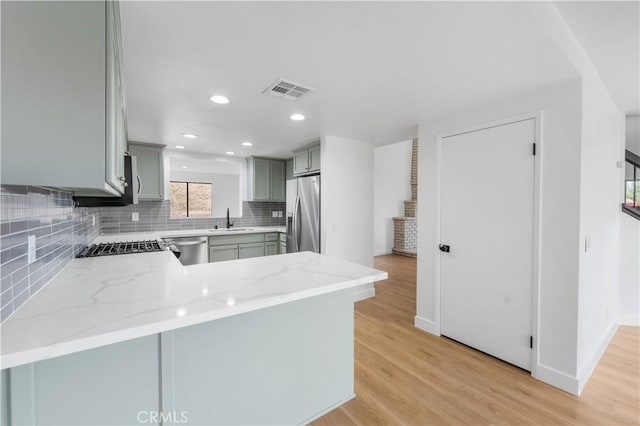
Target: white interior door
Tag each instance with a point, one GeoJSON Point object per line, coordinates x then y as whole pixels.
{"type": "Point", "coordinates": [486, 218]}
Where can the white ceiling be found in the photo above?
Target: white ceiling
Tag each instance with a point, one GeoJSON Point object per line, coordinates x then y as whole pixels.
{"type": "Point", "coordinates": [378, 68]}
{"type": "Point", "coordinates": [609, 32]}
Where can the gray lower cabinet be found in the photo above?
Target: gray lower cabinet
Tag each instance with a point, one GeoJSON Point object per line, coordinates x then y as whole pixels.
{"type": "Point", "coordinates": [115, 384]}
{"type": "Point", "coordinates": [247, 250]}
{"type": "Point", "coordinates": [282, 242]}
{"type": "Point", "coordinates": [223, 253]}
{"type": "Point", "coordinates": [150, 170]}
{"type": "Point", "coordinates": [271, 248]}
{"type": "Point", "coordinates": [231, 247]}
{"type": "Point", "coordinates": [289, 363]}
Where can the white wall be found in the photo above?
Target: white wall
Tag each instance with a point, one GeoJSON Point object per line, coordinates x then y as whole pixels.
{"type": "Point", "coordinates": [391, 186]}
{"type": "Point", "coordinates": [230, 172]}
{"type": "Point", "coordinates": [559, 223]}
{"type": "Point", "coordinates": [632, 133]}
{"type": "Point", "coordinates": [347, 199]}
{"type": "Point", "coordinates": [629, 292]}
{"type": "Point", "coordinates": [600, 199]}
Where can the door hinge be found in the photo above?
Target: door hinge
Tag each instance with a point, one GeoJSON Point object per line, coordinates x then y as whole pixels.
{"type": "Point", "coordinates": [534, 148]}
{"type": "Point", "coordinates": [531, 342]}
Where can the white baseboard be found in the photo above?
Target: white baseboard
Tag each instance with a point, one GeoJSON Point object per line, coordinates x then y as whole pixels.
{"type": "Point", "coordinates": [571, 384]}
{"type": "Point", "coordinates": [382, 252]}
{"type": "Point", "coordinates": [592, 362]}
{"type": "Point", "coordinates": [426, 325]}
{"type": "Point", "coordinates": [629, 319]}
{"type": "Point", "coordinates": [557, 378]}
{"type": "Point", "coordinates": [326, 410]}
{"type": "Point", "coordinates": [365, 292]}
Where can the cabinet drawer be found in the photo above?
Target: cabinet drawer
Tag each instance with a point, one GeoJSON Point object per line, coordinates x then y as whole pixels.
{"type": "Point", "coordinates": [272, 236]}
{"type": "Point", "coordinates": [283, 237]}
{"type": "Point", "coordinates": [236, 239]}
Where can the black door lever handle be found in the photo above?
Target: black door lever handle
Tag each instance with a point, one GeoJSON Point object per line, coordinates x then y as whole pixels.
{"type": "Point", "coordinates": [445, 248]}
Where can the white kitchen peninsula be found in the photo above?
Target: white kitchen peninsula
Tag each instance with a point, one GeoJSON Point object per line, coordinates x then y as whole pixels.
{"type": "Point", "coordinates": [140, 338]}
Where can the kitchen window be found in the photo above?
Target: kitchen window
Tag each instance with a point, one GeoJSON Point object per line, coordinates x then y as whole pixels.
{"type": "Point", "coordinates": [190, 199]}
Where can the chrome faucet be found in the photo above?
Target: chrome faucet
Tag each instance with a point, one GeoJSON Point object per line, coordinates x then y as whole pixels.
{"type": "Point", "coordinates": [229, 223]}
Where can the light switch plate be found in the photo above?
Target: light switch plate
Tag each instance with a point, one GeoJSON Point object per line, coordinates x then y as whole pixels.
{"type": "Point", "coordinates": [135, 216]}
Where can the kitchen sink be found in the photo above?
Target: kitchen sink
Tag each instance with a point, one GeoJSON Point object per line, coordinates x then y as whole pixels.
{"type": "Point", "coordinates": [231, 229]}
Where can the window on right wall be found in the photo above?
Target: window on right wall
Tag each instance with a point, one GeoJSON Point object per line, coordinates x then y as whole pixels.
{"type": "Point", "coordinates": [190, 199]}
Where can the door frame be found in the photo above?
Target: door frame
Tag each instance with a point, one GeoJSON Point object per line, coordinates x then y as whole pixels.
{"type": "Point", "coordinates": [537, 179]}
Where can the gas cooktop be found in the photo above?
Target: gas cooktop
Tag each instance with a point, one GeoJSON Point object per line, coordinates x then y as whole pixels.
{"type": "Point", "coordinates": [128, 247]}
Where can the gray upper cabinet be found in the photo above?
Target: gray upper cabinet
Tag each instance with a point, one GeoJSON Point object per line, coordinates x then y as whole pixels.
{"type": "Point", "coordinates": [150, 170]}
{"type": "Point", "coordinates": [289, 169]}
{"type": "Point", "coordinates": [301, 162]}
{"type": "Point", "coordinates": [277, 180]}
{"type": "Point", "coordinates": [248, 250]}
{"type": "Point", "coordinates": [261, 179]}
{"type": "Point", "coordinates": [266, 179]}
{"type": "Point", "coordinates": [314, 158]}
{"type": "Point", "coordinates": [307, 160]}
{"type": "Point", "coordinates": [63, 109]}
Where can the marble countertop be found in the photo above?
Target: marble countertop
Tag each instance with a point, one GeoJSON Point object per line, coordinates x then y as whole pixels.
{"type": "Point", "coordinates": [103, 300]}
{"type": "Point", "coordinates": [136, 236]}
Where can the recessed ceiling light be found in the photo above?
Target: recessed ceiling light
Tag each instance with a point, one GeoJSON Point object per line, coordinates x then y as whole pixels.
{"type": "Point", "coordinates": [184, 167]}
{"type": "Point", "coordinates": [219, 99]}
{"type": "Point", "coordinates": [230, 153]}
{"type": "Point", "coordinates": [297, 117]}
{"type": "Point", "coordinates": [247, 144]}
{"type": "Point", "coordinates": [179, 146]}
{"type": "Point", "coordinates": [189, 135]}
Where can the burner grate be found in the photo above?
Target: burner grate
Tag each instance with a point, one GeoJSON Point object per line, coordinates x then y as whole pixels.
{"type": "Point", "coordinates": [127, 247]}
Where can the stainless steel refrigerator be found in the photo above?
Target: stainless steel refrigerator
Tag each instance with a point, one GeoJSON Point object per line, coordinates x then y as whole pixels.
{"type": "Point", "coordinates": [303, 214]}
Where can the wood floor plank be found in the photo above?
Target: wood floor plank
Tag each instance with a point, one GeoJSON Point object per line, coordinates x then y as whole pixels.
{"type": "Point", "coordinates": [404, 376]}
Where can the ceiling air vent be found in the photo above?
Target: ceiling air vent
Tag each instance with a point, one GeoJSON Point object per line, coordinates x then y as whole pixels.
{"type": "Point", "coordinates": [287, 90]}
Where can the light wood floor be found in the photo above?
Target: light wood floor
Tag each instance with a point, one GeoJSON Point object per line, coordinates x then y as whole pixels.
{"type": "Point", "coordinates": [406, 376]}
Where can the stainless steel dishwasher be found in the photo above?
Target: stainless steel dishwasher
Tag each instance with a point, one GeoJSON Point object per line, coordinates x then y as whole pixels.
{"type": "Point", "coordinates": [193, 250]}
